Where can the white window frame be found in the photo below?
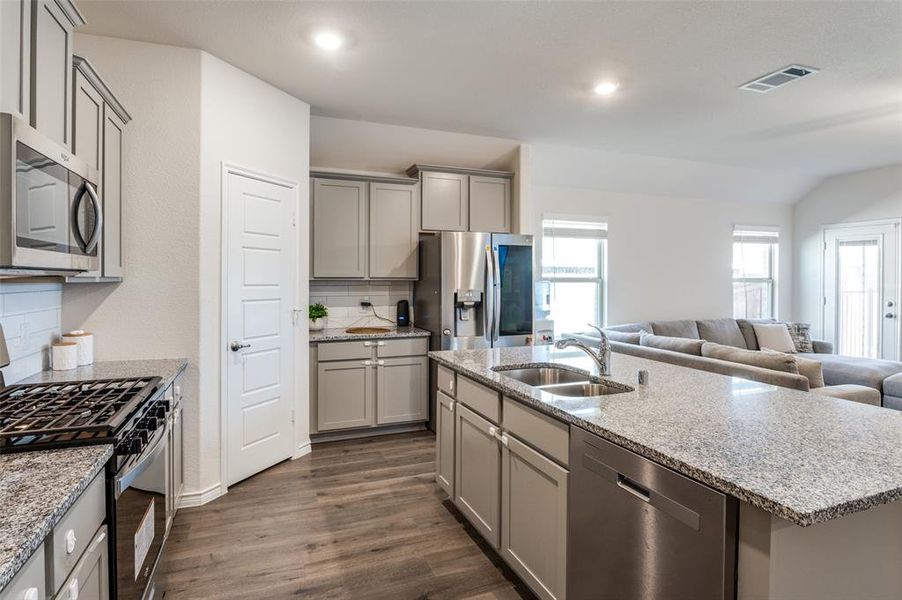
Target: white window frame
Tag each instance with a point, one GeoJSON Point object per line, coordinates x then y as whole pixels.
{"type": "Point", "coordinates": [563, 232]}
{"type": "Point", "coordinates": [760, 234]}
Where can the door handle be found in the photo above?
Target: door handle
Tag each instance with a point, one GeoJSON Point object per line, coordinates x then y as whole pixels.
{"type": "Point", "coordinates": [236, 346]}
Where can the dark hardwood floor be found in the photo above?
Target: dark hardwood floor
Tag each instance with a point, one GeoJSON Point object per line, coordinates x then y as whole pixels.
{"type": "Point", "coordinates": [353, 519]}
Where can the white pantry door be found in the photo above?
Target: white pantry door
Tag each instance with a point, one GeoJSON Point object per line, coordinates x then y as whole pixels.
{"type": "Point", "coordinates": [260, 284]}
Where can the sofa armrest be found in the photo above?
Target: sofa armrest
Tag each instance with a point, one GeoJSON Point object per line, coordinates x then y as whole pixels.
{"type": "Point", "coordinates": [822, 347]}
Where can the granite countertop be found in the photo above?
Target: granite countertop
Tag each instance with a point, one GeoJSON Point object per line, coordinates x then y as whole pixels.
{"type": "Point", "coordinates": [338, 334]}
{"type": "Point", "coordinates": [36, 490]}
{"type": "Point", "coordinates": [165, 368]}
{"type": "Point", "coordinates": [797, 455]}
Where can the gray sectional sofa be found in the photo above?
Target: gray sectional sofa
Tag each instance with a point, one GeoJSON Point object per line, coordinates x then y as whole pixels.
{"type": "Point", "coordinates": [844, 376]}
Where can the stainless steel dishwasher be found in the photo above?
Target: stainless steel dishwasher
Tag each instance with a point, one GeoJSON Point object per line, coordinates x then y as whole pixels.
{"type": "Point", "coordinates": [640, 531]}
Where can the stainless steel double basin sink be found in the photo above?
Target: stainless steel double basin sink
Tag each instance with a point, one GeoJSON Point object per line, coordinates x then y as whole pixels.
{"type": "Point", "coordinates": [563, 382]}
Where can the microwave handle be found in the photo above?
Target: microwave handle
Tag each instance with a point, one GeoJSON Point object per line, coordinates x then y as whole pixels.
{"type": "Point", "coordinates": [98, 218]}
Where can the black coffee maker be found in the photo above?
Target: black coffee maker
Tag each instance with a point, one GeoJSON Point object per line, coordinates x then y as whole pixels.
{"type": "Point", "coordinates": [403, 313]}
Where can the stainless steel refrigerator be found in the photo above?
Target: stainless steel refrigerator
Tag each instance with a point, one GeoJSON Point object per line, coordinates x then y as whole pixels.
{"type": "Point", "coordinates": [475, 290]}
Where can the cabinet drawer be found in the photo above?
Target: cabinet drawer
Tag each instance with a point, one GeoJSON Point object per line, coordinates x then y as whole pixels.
{"type": "Point", "coordinates": [542, 432]}
{"type": "Point", "coordinates": [447, 380]}
{"type": "Point", "coordinates": [403, 347]}
{"type": "Point", "coordinates": [345, 350]}
{"type": "Point", "coordinates": [73, 533]}
{"type": "Point", "coordinates": [28, 584]}
{"type": "Point", "coordinates": [483, 400]}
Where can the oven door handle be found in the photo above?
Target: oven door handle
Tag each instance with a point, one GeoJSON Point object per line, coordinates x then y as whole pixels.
{"type": "Point", "coordinates": [125, 479]}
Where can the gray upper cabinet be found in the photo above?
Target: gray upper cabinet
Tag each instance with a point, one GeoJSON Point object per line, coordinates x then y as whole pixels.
{"type": "Point", "coordinates": [339, 228]}
{"type": "Point", "coordinates": [458, 199]}
{"type": "Point", "coordinates": [393, 231]}
{"type": "Point", "coordinates": [490, 204]}
{"type": "Point", "coordinates": [446, 204]}
{"type": "Point", "coordinates": [52, 29]}
{"type": "Point", "coordinates": [15, 57]}
{"type": "Point", "coordinates": [477, 473]}
{"type": "Point", "coordinates": [98, 123]}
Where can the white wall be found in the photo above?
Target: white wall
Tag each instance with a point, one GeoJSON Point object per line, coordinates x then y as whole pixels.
{"type": "Point", "coordinates": [30, 316]}
{"type": "Point", "coordinates": [154, 312]}
{"type": "Point", "coordinates": [191, 112]}
{"type": "Point", "coordinates": [247, 123]}
{"type": "Point", "coordinates": [860, 196]}
{"type": "Point", "coordinates": [669, 254]}
{"type": "Point", "coordinates": [377, 147]}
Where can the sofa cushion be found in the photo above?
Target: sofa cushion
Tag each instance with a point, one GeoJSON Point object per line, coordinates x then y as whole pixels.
{"type": "Point", "coordinates": [637, 327]}
{"type": "Point", "coordinates": [627, 337]}
{"type": "Point", "coordinates": [721, 331]}
{"type": "Point", "coordinates": [775, 361]}
{"type": "Point", "coordinates": [850, 391]}
{"type": "Point", "coordinates": [680, 329]}
{"type": "Point", "coordinates": [674, 344]}
{"type": "Point", "coordinates": [840, 369]}
{"type": "Point", "coordinates": [812, 369]}
{"type": "Point", "coordinates": [892, 386]}
{"type": "Point", "coordinates": [746, 326]}
{"type": "Point", "coordinates": [774, 336]}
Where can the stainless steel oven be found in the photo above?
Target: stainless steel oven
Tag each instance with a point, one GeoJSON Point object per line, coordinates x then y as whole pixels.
{"type": "Point", "coordinates": [140, 499]}
{"type": "Point", "coordinates": [51, 219]}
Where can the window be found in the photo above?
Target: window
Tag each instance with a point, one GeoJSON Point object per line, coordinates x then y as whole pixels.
{"type": "Point", "coordinates": [755, 273]}
{"type": "Point", "coordinates": [573, 273]}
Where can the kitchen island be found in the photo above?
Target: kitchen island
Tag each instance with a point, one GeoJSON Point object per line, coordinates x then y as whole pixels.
{"type": "Point", "coordinates": [816, 479]}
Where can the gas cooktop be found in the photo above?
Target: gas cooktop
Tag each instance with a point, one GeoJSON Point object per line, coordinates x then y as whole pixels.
{"type": "Point", "coordinates": [43, 416]}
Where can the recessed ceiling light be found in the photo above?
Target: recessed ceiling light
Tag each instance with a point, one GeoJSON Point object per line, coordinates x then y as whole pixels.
{"type": "Point", "coordinates": [606, 88]}
{"type": "Point", "coordinates": [328, 40]}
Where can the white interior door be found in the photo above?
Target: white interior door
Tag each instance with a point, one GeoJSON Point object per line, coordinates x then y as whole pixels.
{"type": "Point", "coordinates": [260, 297]}
{"type": "Point", "coordinates": [861, 289]}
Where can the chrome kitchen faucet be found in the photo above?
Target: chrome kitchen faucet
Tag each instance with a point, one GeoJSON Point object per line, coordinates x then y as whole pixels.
{"type": "Point", "coordinates": [601, 356]}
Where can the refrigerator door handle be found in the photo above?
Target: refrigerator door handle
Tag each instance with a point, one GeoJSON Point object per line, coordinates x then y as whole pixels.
{"type": "Point", "coordinates": [489, 296]}
{"type": "Point", "coordinates": [496, 290]}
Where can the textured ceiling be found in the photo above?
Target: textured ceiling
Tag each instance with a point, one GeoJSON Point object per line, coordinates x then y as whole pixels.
{"type": "Point", "coordinates": [524, 70]}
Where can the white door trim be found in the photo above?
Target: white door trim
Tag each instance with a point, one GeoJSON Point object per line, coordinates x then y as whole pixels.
{"type": "Point", "coordinates": [823, 265]}
{"type": "Point", "coordinates": [233, 169]}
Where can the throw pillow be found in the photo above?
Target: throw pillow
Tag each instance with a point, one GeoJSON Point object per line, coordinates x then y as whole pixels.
{"type": "Point", "coordinates": [801, 336]}
{"type": "Point", "coordinates": [674, 344]}
{"type": "Point", "coordinates": [812, 369]}
{"type": "Point", "coordinates": [774, 361]}
{"type": "Point", "coordinates": [774, 337]}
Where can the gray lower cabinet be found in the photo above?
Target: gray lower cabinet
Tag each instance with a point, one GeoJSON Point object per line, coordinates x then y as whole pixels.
{"type": "Point", "coordinates": [15, 57]}
{"type": "Point", "coordinates": [444, 442]}
{"type": "Point", "coordinates": [345, 396]}
{"type": "Point", "coordinates": [52, 31]}
{"type": "Point", "coordinates": [393, 231]}
{"type": "Point", "coordinates": [339, 228]}
{"type": "Point", "coordinates": [534, 518]}
{"type": "Point", "coordinates": [477, 473]}
{"type": "Point", "coordinates": [490, 204]}
{"type": "Point", "coordinates": [30, 582]}
{"type": "Point", "coordinates": [445, 201]}
{"type": "Point", "coordinates": [90, 579]}
{"type": "Point", "coordinates": [402, 390]}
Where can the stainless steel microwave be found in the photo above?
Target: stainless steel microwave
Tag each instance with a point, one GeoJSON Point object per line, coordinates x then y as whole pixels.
{"type": "Point", "coordinates": [51, 219]}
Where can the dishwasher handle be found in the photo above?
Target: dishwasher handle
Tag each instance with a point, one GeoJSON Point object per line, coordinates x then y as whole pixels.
{"type": "Point", "coordinates": [625, 483]}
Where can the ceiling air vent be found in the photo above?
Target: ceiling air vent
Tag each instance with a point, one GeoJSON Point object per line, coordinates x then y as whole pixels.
{"type": "Point", "coordinates": [772, 81]}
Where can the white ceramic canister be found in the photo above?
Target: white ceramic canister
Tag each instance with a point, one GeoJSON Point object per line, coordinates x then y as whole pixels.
{"type": "Point", "coordinates": [64, 356]}
{"type": "Point", "coordinates": [85, 342]}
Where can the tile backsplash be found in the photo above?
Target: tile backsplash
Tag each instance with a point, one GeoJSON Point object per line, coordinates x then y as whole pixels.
{"type": "Point", "coordinates": [30, 316]}
{"type": "Point", "coordinates": [343, 299]}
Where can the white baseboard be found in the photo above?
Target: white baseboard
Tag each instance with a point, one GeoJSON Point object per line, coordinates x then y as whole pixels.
{"type": "Point", "coordinates": [301, 450]}
{"type": "Point", "coordinates": [191, 499]}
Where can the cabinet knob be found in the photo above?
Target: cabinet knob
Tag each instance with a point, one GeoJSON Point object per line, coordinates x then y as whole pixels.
{"type": "Point", "coordinates": [504, 440]}
{"type": "Point", "coordinates": [381, 363]}
{"type": "Point", "coordinates": [73, 589]}
{"type": "Point", "coordinates": [493, 431]}
{"type": "Point", "coordinates": [71, 540]}
{"type": "Point", "coordinates": [30, 594]}
{"type": "Point", "coordinates": [367, 344]}
{"type": "Point", "coordinates": [381, 343]}
{"type": "Point", "coordinates": [367, 363]}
